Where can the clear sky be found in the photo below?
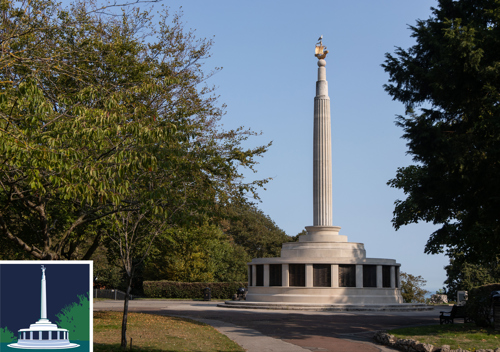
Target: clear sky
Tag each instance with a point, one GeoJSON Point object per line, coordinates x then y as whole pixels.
{"type": "Point", "coordinates": [266, 49]}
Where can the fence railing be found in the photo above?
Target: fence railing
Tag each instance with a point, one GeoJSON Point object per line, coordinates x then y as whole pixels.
{"type": "Point", "coordinates": [110, 294]}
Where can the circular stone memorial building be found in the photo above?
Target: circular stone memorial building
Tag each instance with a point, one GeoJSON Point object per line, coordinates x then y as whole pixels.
{"type": "Point", "coordinates": [323, 270]}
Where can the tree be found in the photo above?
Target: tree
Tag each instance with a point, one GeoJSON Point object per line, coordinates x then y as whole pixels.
{"type": "Point", "coordinates": [75, 318]}
{"type": "Point", "coordinates": [411, 288]}
{"type": "Point", "coordinates": [296, 237]}
{"type": "Point", "coordinates": [107, 270]}
{"type": "Point", "coordinates": [255, 231]}
{"type": "Point", "coordinates": [196, 254]}
{"type": "Point", "coordinates": [449, 84]}
{"type": "Point", "coordinates": [6, 335]}
{"type": "Point", "coordinates": [90, 108]}
{"type": "Point", "coordinates": [463, 276]}
{"type": "Point", "coordinates": [109, 133]}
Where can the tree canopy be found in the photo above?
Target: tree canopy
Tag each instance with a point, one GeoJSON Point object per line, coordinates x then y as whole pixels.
{"type": "Point", "coordinates": [101, 115]}
{"type": "Point", "coordinates": [449, 83]}
{"type": "Point", "coordinates": [196, 254]}
{"type": "Point", "coordinates": [109, 133]}
{"type": "Point", "coordinates": [255, 231]}
{"type": "Point", "coordinates": [463, 276]}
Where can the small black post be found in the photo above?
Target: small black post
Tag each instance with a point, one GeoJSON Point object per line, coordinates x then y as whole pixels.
{"type": "Point", "coordinates": [496, 315]}
{"type": "Point", "coordinates": [207, 294]}
{"type": "Point", "coordinates": [495, 300]}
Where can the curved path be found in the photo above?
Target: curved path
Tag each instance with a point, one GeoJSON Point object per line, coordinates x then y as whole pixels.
{"type": "Point", "coordinates": [287, 331]}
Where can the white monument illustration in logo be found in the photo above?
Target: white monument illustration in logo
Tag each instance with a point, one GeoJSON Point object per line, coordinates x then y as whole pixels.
{"type": "Point", "coordinates": [43, 334]}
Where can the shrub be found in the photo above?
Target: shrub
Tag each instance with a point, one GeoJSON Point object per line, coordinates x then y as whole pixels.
{"type": "Point", "coordinates": [190, 290]}
{"type": "Point", "coordinates": [479, 304]}
{"type": "Point", "coordinates": [7, 336]}
{"type": "Point", "coordinates": [411, 288]}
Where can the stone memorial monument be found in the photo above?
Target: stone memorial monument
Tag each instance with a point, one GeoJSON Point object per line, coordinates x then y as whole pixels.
{"type": "Point", "coordinates": [322, 270]}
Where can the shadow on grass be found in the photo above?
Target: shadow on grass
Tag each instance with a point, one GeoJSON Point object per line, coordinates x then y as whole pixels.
{"type": "Point", "coordinates": [466, 336]}
{"type": "Point", "coordinates": [179, 299]}
{"type": "Point", "coordinates": [179, 319]}
{"type": "Point", "coordinates": [157, 333]}
{"type": "Point", "coordinates": [431, 330]}
{"type": "Point", "coordinates": [115, 347]}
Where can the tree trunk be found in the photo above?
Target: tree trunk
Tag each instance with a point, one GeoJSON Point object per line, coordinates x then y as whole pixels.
{"type": "Point", "coordinates": [125, 314]}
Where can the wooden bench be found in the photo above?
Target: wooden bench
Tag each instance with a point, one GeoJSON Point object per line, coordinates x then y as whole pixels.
{"type": "Point", "coordinates": [456, 312]}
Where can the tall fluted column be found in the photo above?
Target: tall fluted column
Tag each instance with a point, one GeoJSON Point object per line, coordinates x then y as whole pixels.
{"type": "Point", "coordinates": [322, 229]}
{"type": "Point", "coordinates": [322, 173]}
{"type": "Point", "coordinates": [43, 305]}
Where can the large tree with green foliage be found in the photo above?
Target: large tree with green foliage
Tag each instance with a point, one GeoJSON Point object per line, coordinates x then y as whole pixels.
{"type": "Point", "coordinates": [101, 115]}
{"type": "Point", "coordinates": [449, 83]}
{"type": "Point", "coordinates": [108, 130]}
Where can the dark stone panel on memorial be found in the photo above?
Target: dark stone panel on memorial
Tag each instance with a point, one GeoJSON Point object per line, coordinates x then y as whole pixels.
{"type": "Point", "coordinates": [322, 275]}
{"type": "Point", "coordinates": [260, 275]}
{"type": "Point", "coordinates": [347, 275]}
{"type": "Point", "coordinates": [275, 271]}
{"type": "Point", "coordinates": [250, 275]}
{"type": "Point", "coordinates": [297, 275]}
{"type": "Point", "coordinates": [396, 273]}
{"type": "Point", "coordinates": [386, 276]}
{"type": "Point", "coordinates": [369, 276]}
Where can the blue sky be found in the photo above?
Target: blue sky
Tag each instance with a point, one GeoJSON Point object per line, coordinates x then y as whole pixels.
{"type": "Point", "coordinates": [266, 49]}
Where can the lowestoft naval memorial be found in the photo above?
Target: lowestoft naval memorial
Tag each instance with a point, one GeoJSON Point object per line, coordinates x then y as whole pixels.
{"type": "Point", "coordinates": [323, 270]}
{"type": "Point", "coordinates": [43, 334]}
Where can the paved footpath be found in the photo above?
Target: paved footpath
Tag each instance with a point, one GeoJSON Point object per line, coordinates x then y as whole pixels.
{"type": "Point", "coordinates": [263, 330]}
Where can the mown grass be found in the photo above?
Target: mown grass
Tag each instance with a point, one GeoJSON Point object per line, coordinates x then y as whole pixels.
{"type": "Point", "coordinates": [153, 333]}
{"type": "Point", "coordinates": [465, 336]}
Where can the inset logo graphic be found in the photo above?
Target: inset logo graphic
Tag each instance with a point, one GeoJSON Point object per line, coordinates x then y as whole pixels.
{"type": "Point", "coordinates": [58, 298]}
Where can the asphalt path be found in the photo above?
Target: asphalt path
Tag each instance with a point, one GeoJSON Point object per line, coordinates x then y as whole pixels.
{"type": "Point", "coordinates": [307, 330]}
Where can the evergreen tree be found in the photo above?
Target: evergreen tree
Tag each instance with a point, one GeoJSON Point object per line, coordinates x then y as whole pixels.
{"type": "Point", "coordinates": [449, 83]}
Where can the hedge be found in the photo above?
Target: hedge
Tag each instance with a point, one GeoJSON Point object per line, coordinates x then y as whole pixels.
{"type": "Point", "coordinates": [190, 290]}
{"type": "Point", "coordinates": [479, 304]}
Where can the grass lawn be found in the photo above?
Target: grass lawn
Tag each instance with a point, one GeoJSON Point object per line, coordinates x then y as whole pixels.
{"type": "Point", "coordinates": [157, 333]}
{"type": "Point", "coordinates": [465, 336]}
